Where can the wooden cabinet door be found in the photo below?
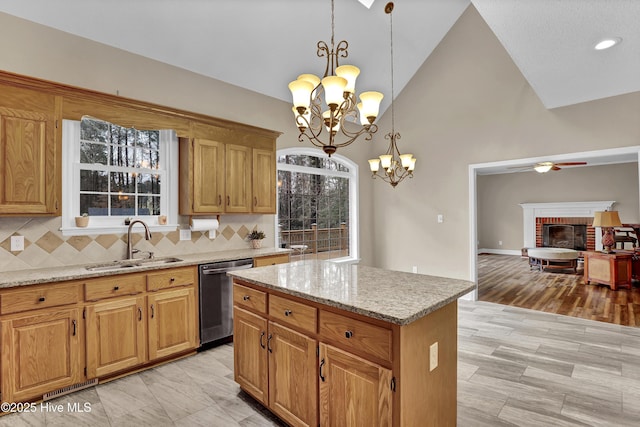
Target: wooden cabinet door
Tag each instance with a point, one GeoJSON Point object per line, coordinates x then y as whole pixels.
{"type": "Point", "coordinates": [27, 162]}
{"type": "Point", "coordinates": [172, 322]}
{"type": "Point", "coordinates": [264, 181]}
{"type": "Point", "coordinates": [250, 353]}
{"type": "Point", "coordinates": [116, 337]}
{"type": "Point", "coordinates": [238, 178]}
{"type": "Point", "coordinates": [40, 353]}
{"type": "Point", "coordinates": [208, 176]}
{"type": "Point", "coordinates": [354, 392]}
{"type": "Point", "coordinates": [293, 384]}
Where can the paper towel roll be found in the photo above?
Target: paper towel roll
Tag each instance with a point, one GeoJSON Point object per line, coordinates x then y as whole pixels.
{"type": "Point", "coordinates": [209, 224]}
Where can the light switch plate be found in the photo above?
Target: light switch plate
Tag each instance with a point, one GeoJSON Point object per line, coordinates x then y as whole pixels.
{"type": "Point", "coordinates": [440, 218]}
{"type": "Point", "coordinates": [185, 234]}
{"type": "Point", "coordinates": [17, 243]}
{"type": "Point", "coordinates": [433, 356]}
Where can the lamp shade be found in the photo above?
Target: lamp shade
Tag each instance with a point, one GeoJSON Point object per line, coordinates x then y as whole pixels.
{"type": "Point", "coordinates": [311, 78]}
{"type": "Point", "coordinates": [334, 87]}
{"type": "Point", "coordinates": [406, 160]}
{"type": "Point", "coordinates": [301, 92]}
{"type": "Point", "coordinates": [543, 167]}
{"type": "Point", "coordinates": [606, 219]}
{"type": "Point", "coordinates": [374, 165]}
{"type": "Point", "coordinates": [350, 73]}
{"type": "Point", "coordinates": [370, 105]}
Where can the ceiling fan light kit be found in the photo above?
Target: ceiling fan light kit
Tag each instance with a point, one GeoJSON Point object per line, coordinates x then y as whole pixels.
{"type": "Point", "coordinates": [330, 104]}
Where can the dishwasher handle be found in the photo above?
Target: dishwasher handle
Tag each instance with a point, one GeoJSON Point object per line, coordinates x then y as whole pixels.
{"type": "Point", "coordinates": [225, 269]}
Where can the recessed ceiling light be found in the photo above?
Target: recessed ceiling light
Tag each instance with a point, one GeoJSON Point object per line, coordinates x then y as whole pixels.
{"type": "Point", "coordinates": [607, 43]}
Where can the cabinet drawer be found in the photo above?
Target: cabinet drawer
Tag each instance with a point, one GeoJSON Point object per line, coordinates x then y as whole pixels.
{"type": "Point", "coordinates": [250, 298]}
{"type": "Point", "coordinates": [33, 298]}
{"type": "Point", "coordinates": [271, 260]}
{"type": "Point", "coordinates": [293, 313]}
{"type": "Point", "coordinates": [171, 278]}
{"type": "Point", "coordinates": [356, 335]}
{"type": "Point", "coordinates": [114, 286]}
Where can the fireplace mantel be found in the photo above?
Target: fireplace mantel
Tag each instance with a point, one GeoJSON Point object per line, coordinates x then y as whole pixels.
{"type": "Point", "coordinates": [531, 211]}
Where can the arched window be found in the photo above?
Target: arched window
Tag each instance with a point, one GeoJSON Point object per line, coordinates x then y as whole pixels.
{"type": "Point", "coordinates": [317, 204]}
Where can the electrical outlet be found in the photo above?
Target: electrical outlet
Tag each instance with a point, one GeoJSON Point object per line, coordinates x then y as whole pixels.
{"type": "Point", "coordinates": [185, 234]}
{"type": "Point", "coordinates": [499, 242]}
{"type": "Point", "coordinates": [440, 218]}
{"type": "Point", "coordinates": [433, 356]}
{"type": "Point", "coordinates": [17, 243]}
{"type": "Point", "coordinates": [415, 268]}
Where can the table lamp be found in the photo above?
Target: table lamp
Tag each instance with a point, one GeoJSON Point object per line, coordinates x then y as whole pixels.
{"type": "Point", "coordinates": [607, 220]}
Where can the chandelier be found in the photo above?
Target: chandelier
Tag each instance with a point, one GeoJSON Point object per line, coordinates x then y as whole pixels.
{"type": "Point", "coordinates": [395, 166]}
{"type": "Point", "coordinates": [329, 104]}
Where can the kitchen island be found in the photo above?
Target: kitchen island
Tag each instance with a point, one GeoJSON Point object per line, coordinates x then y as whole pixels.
{"type": "Point", "coordinates": [323, 343]}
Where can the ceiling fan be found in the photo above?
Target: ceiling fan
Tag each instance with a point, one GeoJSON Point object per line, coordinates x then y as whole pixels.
{"type": "Point", "coordinates": [543, 167]}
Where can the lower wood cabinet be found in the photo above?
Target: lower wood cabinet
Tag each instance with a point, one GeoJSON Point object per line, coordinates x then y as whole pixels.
{"type": "Point", "coordinates": [172, 322]}
{"type": "Point", "coordinates": [41, 352]}
{"type": "Point", "coordinates": [353, 391]}
{"type": "Point", "coordinates": [52, 339]}
{"type": "Point", "coordinates": [116, 338]}
{"type": "Point", "coordinates": [250, 361]}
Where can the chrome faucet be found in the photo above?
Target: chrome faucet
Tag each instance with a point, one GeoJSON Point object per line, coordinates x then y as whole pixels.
{"type": "Point", "coordinates": [147, 236]}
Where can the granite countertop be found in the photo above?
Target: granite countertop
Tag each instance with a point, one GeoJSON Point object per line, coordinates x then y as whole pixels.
{"type": "Point", "coordinates": [10, 279]}
{"type": "Point", "coordinates": [393, 296]}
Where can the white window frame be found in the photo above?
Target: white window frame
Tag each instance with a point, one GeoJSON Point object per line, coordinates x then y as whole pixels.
{"type": "Point", "coordinates": [115, 224]}
{"type": "Point", "coordinates": [352, 175]}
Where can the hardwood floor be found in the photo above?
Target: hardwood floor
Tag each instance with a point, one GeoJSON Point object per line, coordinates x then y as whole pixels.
{"type": "Point", "coordinates": [508, 280]}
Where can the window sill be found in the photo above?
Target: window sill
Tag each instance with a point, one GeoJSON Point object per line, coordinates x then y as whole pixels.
{"type": "Point", "coordinates": [114, 229]}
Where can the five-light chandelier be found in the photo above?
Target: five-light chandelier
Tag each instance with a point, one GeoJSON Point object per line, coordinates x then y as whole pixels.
{"type": "Point", "coordinates": [329, 104]}
{"type": "Point", "coordinates": [395, 166]}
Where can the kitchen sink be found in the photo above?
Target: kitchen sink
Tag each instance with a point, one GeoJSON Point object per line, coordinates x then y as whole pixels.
{"type": "Point", "coordinates": [130, 263]}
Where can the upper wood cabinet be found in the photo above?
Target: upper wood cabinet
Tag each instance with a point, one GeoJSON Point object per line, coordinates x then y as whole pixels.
{"type": "Point", "coordinates": [217, 177]}
{"type": "Point", "coordinates": [30, 153]}
{"type": "Point", "coordinates": [264, 181]}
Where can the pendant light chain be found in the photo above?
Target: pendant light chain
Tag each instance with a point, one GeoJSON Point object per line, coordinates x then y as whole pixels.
{"type": "Point", "coordinates": [393, 116]}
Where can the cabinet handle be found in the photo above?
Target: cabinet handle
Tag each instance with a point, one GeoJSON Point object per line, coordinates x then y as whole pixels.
{"type": "Point", "coordinates": [246, 298]}
{"type": "Point", "coordinates": [41, 299]}
{"type": "Point", "coordinates": [115, 288]}
{"type": "Point", "coordinates": [219, 199]}
{"type": "Point", "coordinates": [140, 314]}
{"type": "Point", "coordinates": [262, 336]}
{"type": "Point", "coordinates": [152, 311]}
{"type": "Point", "coordinates": [321, 365]}
{"type": "Point", "coordinates": [348, 334]}
{"type": "Point", "coordinates": [269, 343]}
{"type": "Point", "coordinates": [75, 326]}
{"type": "Point", "coordinates": [228, 200]}
{"type": "Point", "coordinates": [255, 201]}
{"type": "Point", "coordinates": [288, 312]}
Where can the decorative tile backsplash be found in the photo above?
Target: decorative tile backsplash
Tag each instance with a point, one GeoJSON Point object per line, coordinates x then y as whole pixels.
{"type": "Point", "coordinates": [45, 246]}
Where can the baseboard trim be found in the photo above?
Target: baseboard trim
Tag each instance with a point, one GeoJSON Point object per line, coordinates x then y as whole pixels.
{"type": "Point", "coordinates": [500, 252]}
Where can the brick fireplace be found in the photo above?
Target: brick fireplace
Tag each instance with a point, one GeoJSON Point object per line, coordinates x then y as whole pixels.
{"type": "Point", "coordinates": [569, 213]}
{"type": "Point", "coordinates": [588, 243]}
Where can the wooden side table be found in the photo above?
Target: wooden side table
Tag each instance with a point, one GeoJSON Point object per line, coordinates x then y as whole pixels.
{"type": "Point", "coordinates": [609, 269]}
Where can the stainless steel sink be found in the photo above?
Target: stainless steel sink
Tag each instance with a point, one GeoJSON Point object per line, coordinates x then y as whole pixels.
{"type": "Point", "coordinates": [130, 263]}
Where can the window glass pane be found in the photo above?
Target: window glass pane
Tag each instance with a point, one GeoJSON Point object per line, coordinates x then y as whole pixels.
{"type": "Point", "coordinates": [312, 162]}
{"type": "Point", "coordinates": [93, 153]}
{"type": "Point", "coordinates": [123, 182]}
{"type": "Point", "coordinates": [148, 205]}
{"type": "Point", "coordinates": [123, 205]}
{"type": "Point", "coordinates": [96, 181]}
{"type": "Point", "coordinates": [95, 130]}
{"type": "Point", "coordinates": [148, 183]}
{"type": "Point", "coordinates": [123, 155]}
{"type": "Point", "coordinates": [94, 204]}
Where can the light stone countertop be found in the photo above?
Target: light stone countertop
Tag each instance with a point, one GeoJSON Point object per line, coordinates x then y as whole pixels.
{"type": "Point", "coordinates": [36, 276]}
{"type": "Point", "coordinates": [393, 296]}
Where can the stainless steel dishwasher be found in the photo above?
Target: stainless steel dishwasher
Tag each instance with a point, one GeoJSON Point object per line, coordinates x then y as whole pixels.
{"type": "Point", "coordinates": [216, 299]}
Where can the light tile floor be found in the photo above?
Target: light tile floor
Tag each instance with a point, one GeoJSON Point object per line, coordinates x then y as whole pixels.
{"type": "Point", "coordinates": [516, 367]}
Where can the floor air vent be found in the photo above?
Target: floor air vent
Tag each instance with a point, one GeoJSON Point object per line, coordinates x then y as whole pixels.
{"type": "Point", "coordinates": [70, 389]}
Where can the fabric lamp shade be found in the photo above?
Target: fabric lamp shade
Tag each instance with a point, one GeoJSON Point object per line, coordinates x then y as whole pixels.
{"type": "Point", "coordinates": [606, 219]}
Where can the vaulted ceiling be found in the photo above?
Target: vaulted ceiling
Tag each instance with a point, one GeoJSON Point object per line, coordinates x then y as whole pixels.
{"type": "Point", "coordinates": [262, 45]}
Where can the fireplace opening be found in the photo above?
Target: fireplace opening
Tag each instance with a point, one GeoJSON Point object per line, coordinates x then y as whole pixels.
{"type": "Point", "coordinates": [570, 236]}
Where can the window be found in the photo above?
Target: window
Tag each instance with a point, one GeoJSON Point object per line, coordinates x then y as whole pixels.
{"type": "Point", "coordinates": [317, 204]}
{"type": "Point", "coordinates": [112, 173]}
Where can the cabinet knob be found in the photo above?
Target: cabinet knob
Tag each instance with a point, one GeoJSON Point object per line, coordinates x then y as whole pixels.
{"type": "Point", "coordinates": [41, 299]}
{"type": "Point", "coordinates": [246, 297]}
{"type": "Point", "coordinates": [173, 279]}
{"type": "Point", "coordinates": [348, 334]}
{"type": "Point", "coordinates": [115, 288]}
{"type": "Point", "coordinates": [288, 312]}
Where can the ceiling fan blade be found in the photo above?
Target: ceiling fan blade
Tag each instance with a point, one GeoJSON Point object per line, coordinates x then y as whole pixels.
{"type": "Point", "coordinates": [555, 167]}
{"type": "Point", "coordinates": [570, 163]}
